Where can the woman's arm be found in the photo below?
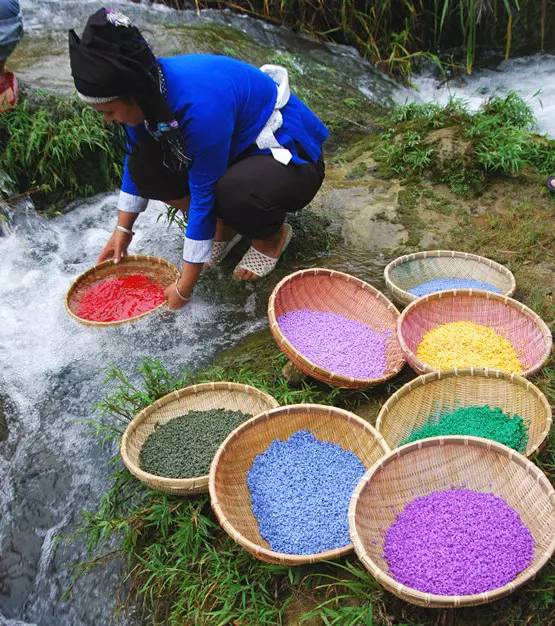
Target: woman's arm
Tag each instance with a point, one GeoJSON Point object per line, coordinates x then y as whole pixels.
{"type": "Point", "coordinates": [208, 140]}
{"type": "Point", "coordinates": [210, 161]}
{"type": "Point", "coordinates": [130, 204]}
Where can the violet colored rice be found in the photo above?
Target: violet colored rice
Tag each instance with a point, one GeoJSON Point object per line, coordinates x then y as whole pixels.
{"type": "Point", "coordinates": [457, 542]}
{"type": "Point", "coordinates": [336, 343]}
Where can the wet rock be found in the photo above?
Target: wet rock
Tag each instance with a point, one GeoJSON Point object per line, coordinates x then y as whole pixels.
{"type": "Point", "coordinates": [43, 62]}
{"type": "Point", "coordinates": [368, 214]}
{"type": "Point", "coordinates": [448, 145]}
{"type": "Point", "coordinates": [40, 490]}
{"type": "Point", "coordinates": [436, 229]}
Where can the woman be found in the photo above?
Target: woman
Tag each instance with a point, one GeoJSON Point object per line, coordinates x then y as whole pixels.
{"type": "Point", "coordinates": [223, 141]}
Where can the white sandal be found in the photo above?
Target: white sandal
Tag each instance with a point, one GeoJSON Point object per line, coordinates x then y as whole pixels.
{"type": "Point", "coordinates": [261, 264]}
{"type": "Point", "coordinates": [220, 249]}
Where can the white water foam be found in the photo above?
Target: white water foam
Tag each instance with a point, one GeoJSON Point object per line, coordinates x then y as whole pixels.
{"type": "Point", "coordinates": [533, 77]}
{"type": "Point", "coordinates": [51, 466]}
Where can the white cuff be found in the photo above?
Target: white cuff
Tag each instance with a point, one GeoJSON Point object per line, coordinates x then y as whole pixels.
{"type": "Point", "coordinates": [130, 203]}
{"type": "Point", "coordinates": [197, 251]}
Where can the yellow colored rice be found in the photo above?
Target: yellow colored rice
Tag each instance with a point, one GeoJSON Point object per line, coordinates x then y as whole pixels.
{"type": "Point", "coordinates": [466, 344]}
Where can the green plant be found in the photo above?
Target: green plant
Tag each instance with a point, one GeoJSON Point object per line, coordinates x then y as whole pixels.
{"type": "Point", "coordinates": [183, 568]}
{"type": "Point", "coordinates": [349, 592]}
{"type": "Point", "coordinates": [502, 150]}
{"type": "Point", "coordinates": [59, 147]}
{"type": "Point", "coordinates": [497, 139]}
{"type": "Point", "coordinates": [428, 115]}
{"type": "Point", "coordinates": [510, 110]}
{"type": "Point", "coordinates": [541, 156]}
{"type": "Point", "coordinates": [463, 179]}
{"type": "Point", "coordinates": [180, 568]}
{"type": "Point", "coordinates": [406, 153]}
{"type": "Point", "coordinates": [171, 216]}
{"type": "Point", "coordinates": [396, 34]}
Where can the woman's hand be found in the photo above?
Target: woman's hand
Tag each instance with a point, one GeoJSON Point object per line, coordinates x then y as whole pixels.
{"type": "Point", "coordinates": [116, 247]}
{"type": "Point", "coordinates": [179, 293]}
{"type": "Point", "coordinates": [175, 299]}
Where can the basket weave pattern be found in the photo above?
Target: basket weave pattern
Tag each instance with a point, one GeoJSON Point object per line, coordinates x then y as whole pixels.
{"type": "Point", "coordinates": [203, 397]}
{"type": "Point", "coordinates": [335, 292]}
{"type": "Point", "coordinates": [155, 268]}
{"type": "Point", "coordinates": [529, 335]}
{"type": "Point", "coordinates": [410, 270]}
{"type": "Point", "coordinates": [229, 492]}
{"type": "Point", "coordinates": [437, 464]}
{"type": "Point", "coordinates": [431, 394]}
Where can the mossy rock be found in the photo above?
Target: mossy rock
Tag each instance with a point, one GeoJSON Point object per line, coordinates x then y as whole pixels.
{"type": "Point", "coordinates": [257, 352]}
{"type": "Point", "coordinates": [449, 146]}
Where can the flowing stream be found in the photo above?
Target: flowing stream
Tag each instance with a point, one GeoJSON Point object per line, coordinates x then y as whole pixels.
{"type": "Point", "coordinates": [531, 77]}
{"type": "Point", "coordinates": [51, 468]}
{"type": "Point", "coordinates": [52, 371]}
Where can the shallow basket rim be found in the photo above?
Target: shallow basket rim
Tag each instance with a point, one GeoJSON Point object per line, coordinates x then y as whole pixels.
{"type": "Point", "coordinates": [268, 554]}
{"type": "Point", "coordinates": [474, 372]}
{"type": "Point", "coordinates": [184, 484]}
{"type": "Point", "coordinates": [413, 360]}
{"type": "Point", "coordinates": [309, 366]}
{"type": "Point", "coordinates": [421, 598]}
{"type": "Point", "coordinates": [405, 297]}
{"type": "Point", "coordinates": [146, 259]}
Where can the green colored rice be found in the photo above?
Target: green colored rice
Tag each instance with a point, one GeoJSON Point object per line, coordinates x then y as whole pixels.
{"type": "Point", "coordinates": [185, 446]}
{"type": "Point", "coordinates": [476, 421]}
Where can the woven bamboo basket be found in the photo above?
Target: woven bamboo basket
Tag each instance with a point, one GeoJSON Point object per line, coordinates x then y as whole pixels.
{"type": "Point", "coordinates": [413, 405]}
{"type": "Point", "coordinates": [437, 464]}
{"type": "Point", "coordinates": [335, 292]}
{"type": "Point", "coordinates": [157, 269]}
{"type": "Point", "coordinates": [229, 493]}
{"type": "Point", "coordinates": [410, 270]}
{"type": "Point", "coordinates": [203, 397]}
{"type": "Point", "coordinates": [527, 332]}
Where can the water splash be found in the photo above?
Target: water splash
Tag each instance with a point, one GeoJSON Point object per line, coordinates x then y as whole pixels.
{"type": "Point", "coordinates": [531, 77]}
{"type": "Point", "coordinates": [53, 374]}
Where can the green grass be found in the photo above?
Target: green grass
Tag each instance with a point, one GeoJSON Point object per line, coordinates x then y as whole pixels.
{"type": "Point", "coordinates": [498, 140]}
{"type": "Point", "coordinates": [60, 149]}
{"type": "Point", "coordinates": [181, 568]}
{"type": "Point", "coordinates": [398, 34]}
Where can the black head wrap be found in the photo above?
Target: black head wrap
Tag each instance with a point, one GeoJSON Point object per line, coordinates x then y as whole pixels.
{"type": "Point", "coordinates": [113, 60]}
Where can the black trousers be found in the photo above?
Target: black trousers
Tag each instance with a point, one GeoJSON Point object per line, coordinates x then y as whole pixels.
{"type": "Point", "coordinates": [254, 194]}
{"type": "Point", "coordinates": [252, 197]}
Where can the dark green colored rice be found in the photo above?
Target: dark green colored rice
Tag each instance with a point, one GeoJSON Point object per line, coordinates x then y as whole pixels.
{"type": "Point", "coordinates": [185, 446]}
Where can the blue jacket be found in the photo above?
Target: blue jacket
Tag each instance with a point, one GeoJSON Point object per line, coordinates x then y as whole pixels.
{"type": "Point", "coordinates": [221, 105]}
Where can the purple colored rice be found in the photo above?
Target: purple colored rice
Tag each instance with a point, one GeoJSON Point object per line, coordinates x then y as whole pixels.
{"type": "Point", "coordinates": [336, 343]}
